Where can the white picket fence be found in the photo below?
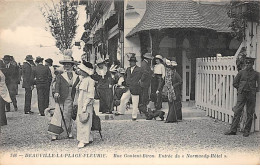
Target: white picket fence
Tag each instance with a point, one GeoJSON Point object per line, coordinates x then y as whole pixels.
{"type": "Point", "coordinates": [214, 90]}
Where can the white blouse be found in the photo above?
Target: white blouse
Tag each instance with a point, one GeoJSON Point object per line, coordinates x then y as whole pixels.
{"type": "Point", "coordinates": [159, 69]}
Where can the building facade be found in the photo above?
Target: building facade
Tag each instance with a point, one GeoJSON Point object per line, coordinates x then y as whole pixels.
{"type": "Point", "coordinates": [103, 34]}
{"type": "Point", "coordinates": [181, 31]}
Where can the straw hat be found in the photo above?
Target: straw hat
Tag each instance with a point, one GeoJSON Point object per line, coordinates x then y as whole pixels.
{"type": "Point", "coordinates": [67, 59]}
{"type": "Point", "coordinates": [159, 57]}
{"type": "Point", "coordinates": [148, 56]}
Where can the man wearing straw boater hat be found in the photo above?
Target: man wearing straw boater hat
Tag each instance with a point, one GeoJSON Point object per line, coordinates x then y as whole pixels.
{"type": "Point", "coordinates": [133, 77]}
{"type": "Point", "coordinates": [65, 89]}
{"type": "Point", "coordinates": [27, 83]}
{"type": "Point", "coordinates": [11, 76]}
{"type": "Point", "coordinates": [42, 76]}
{"type": "Point", "coordinates": [247, 83]}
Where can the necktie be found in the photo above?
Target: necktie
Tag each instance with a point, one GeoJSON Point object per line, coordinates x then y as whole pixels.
{"type": "Point", "coordinates": [70, 75]}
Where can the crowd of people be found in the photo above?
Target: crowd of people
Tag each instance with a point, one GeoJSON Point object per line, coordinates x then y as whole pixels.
{"type": "Point", "coordinates": [75, 85]}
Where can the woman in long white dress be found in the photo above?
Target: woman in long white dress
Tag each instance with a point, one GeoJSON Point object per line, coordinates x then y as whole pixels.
{"type": "Point", "coordinates": [86, 91]}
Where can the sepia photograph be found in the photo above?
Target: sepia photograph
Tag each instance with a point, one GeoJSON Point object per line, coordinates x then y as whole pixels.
{"type": "Point", "coordinates": [129, 82]}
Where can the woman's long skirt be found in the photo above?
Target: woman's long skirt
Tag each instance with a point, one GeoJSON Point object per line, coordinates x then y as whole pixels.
{"type": "Point", "coordinates": [3, 119]}
{"type": "Point", "coordinates": [84, 129]}
{"type": "Point", "coordinates": [105, 99]}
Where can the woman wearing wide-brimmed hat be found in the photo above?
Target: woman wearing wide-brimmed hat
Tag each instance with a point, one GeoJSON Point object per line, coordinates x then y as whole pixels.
{"type": "Point", "coordinates": [157, 82]}
{"type": "Point", "coordinates": [65, 89]}
{"type": "Point", "coordinates": [173, 84]}
{"type": "Point", "coordinates": [4, 95]}
{"type": "Point", "coordinates": [85, 89]}
{"type": "Point", "coordinates": [104, 87]}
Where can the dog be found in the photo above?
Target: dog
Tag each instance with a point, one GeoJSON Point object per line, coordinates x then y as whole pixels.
{"type": "Point", "coordinates": [153, 114]}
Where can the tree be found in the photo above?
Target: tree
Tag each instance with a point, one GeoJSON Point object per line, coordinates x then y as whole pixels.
{"type": "Point", "coordinates": [62, 20]}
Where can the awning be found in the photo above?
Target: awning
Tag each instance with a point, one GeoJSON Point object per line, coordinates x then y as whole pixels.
{"type": "Point", "coordinates": [177, 14]}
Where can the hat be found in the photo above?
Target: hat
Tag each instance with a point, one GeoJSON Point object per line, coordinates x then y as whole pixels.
{"type": "Point", "coordinates": [100, 61]}
{"type": "Point", "coordinates": [49, 60]}
{"type": "Point", "coordinates": [170, 63]}
{"type": "Point", "coordinates": [86, 67]}
{"type": "Point", "coordinates": [148, 56]}
{"type": "Point", "coordinates": [7, 57]}
{"type": "Point", "coordinates": [249, 60]}
{"type": "Point", "coordinates": [29, 58]}
{"type": "Point", "coordinates": [159, 57]}
{"type": "Point", "coordinates": [2, 65]}
{"type": "Point", "coordinates": [39, 59]}
{"type": "Point", "coordinates": [132, 59]}
{"type": "Point", "coordinates": [121, 70]}
{"type": "Point", "coordinates": [67, 59]}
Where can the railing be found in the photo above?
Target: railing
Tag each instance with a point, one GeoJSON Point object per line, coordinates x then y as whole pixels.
{"type": "Point", "coordinates": [214, 90]}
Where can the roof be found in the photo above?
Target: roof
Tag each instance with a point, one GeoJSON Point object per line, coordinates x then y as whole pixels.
{"type": "Point", "coordinates": [217, 16]}
{"type": "Point", "coordinates": [183, 14]}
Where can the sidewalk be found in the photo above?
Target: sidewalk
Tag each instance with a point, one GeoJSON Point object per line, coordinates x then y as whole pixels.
{"type": "Point", "coordinates": [195, 135]}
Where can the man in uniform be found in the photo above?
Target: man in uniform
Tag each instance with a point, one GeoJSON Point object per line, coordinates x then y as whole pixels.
{"type": "Point", "coordinates": [247, 84]}
{"type": "Point", "coordinates": [43, 78]}
{"type": "Point", "coordinates": [11, 80]}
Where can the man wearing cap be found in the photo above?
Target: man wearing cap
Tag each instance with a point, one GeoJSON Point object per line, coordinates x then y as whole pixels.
{"type": "Point", "coordinates": [145, 81]}
{"type": "Point", "coordinates": [43, 78]}
{"type": "Point", "coordinates": [247, 83]}
{"type": "Point", "coordinates": [133, 77]}
{"type": "Point", "coordinates": [11, 79]}
{"type": "Point", "coordinates": [27, 82]}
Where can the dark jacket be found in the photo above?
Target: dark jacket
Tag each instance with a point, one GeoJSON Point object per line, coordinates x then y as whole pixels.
{"type": "Point", "coordinates": [62, 86]}
{"type": "Point", "coordinates": [42, 75]}
{"type": "Point", "coordinates": [11, 74]}
{"type": "Point", "coordinates": [103, 82]}
{"type": "Point", "coordinates": [177, 83]}
{"type": "Point", "coordinates": [133, 80]}
{"type": "Point", "coordinates": [147, 74]}
{"type": "Point", "coordinates": [247, 80]}
{"type": "Point", "coordinates": [27, 75]}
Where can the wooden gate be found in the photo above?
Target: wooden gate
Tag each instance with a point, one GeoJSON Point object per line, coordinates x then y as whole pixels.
{"type": "Point", "coordinates": [214, 90]}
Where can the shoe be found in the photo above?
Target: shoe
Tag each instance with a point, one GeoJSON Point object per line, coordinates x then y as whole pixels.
{"type": "Point", "coordinates": [70, 136]}
{"type": "Point", "coordinates": [230, 133]}
{"type": "Point", "coordinates": [133, 119]}
{"type": "Point", "coordinates": [246, 134]}
{"type": "Point", "coordinates": [53, 138]}
{"type": "Point", "coordinates": [27, 112]}
{"type": "Point", "coordinates": [81, 145]}
{"type": "Point", "coordinates": [15, 109]}
{"type": "Point", "coordinates": [109, 112]}
{"type": "Point", "coordinates": [41, 114]}
{"type": "Point", "coordinates": [116, 114]}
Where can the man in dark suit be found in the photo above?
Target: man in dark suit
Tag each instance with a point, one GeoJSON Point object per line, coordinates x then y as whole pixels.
{"type": "Point", "coordinates": [42, 76]}
{"type": "Point", "coordinates": [133, 79]}
{"type": "Point", "coordinates": [11, 79]}
{"type": "Point", "coordinates": [27, 82]}
{"type": "Point", "coordinates": [145, 81]}
{"type": "Point", "coordinates": [247, 84]}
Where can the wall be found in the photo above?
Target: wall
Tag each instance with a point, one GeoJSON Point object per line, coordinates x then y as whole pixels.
{"type": "Point", "coordinates": [130, 21]}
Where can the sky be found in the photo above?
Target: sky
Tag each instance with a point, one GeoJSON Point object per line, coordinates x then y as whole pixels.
{"type": "Point", "coordinates": [23, 31]}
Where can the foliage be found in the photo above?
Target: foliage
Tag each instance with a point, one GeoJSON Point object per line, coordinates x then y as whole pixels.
{"type": "Point", "coordinates": [241, 13]}
{"type": "Point", "coordinates": [62, 19]}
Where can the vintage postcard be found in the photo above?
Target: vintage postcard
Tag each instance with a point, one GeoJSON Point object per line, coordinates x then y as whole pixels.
{"type": "Point", "coordinates": [132, 82]}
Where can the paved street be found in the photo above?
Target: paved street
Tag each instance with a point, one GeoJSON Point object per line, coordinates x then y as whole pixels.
{"type": "Point", "coordinates": [27, 134]}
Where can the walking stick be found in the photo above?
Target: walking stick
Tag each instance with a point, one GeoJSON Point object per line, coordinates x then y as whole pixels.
{"type": "Point", "coordinates": [63, 119]}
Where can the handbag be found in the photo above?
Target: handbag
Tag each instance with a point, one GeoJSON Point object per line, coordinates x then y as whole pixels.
{"type": "Point", "coordinates": [84, 117]}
